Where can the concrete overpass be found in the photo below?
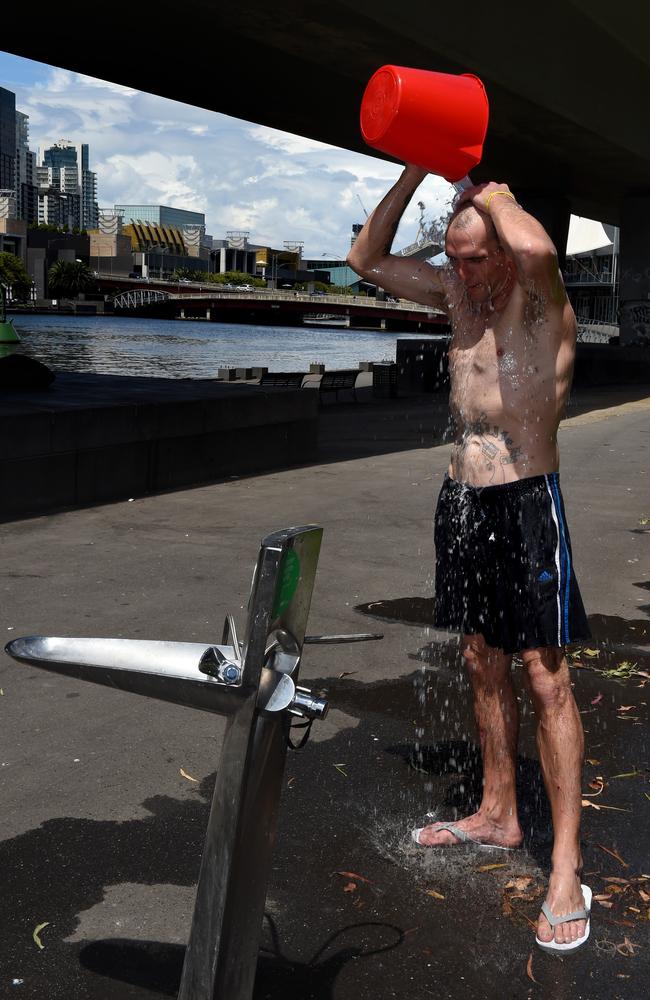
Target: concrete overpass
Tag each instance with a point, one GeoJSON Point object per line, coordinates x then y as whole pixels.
{"type": "Point", "coordinates": [567, 80]}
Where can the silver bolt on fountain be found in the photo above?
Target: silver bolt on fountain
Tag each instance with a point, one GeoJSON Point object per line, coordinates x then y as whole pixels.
{"type": "Point", "coordinates": [253, 684]}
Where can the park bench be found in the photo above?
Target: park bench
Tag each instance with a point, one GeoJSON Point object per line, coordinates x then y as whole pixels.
{"type": "Point", "coordinates": [282, 380]}
{"type": "Point", "coordinates": [338, 380]}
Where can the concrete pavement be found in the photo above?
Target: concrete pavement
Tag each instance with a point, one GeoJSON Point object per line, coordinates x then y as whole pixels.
{"type": "Point", "coordinates": [102, 833]}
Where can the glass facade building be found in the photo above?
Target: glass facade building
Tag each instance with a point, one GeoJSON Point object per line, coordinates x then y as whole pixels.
{"type": "Point", "coordinates": [160, 215]}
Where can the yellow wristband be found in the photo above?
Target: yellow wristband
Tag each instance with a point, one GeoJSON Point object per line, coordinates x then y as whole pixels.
{"type": "Point", "coordinates": [493, 194]}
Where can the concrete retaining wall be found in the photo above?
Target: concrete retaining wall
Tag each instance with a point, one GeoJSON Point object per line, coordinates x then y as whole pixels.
{"type": "Point", "coordinates": [94, 438]}
{"type": "Point", "coordinates": [422, 365]}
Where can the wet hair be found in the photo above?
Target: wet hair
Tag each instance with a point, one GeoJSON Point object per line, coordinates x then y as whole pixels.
{"type": "Point", "coordinates": [466, 215]}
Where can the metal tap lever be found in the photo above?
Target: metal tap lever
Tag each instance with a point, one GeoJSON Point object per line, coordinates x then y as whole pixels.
{"type": "Point", "coordinates": [354, 637]}
{"type": "Point", "coordinates": [229, 636]}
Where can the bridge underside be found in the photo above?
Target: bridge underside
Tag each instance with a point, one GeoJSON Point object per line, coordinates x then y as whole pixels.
{"type": "Point", "coordinates": [567, 80]}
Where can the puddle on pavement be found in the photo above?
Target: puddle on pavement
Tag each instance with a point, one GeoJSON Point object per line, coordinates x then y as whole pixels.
{"type": "Point", "coordinates": [438, 739]}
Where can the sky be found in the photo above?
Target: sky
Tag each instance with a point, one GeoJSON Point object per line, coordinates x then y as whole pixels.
{"type": "Point", "coordinates": [147, 149]}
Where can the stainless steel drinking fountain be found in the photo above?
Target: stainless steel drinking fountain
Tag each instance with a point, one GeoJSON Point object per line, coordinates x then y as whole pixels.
{"type": "Point", "coordinates": [254, 684]}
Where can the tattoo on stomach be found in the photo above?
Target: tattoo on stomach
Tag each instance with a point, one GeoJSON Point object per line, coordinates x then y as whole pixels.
{"type": "Point", "coordinates": [490, 438]}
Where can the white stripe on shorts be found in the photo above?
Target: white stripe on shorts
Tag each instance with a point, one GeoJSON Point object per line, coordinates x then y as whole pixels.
{"type": "Point", "coordinates": [557, 563]}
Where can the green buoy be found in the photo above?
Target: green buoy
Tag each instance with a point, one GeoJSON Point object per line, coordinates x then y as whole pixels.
{"type": "Point", "coordinates": [8, 333]}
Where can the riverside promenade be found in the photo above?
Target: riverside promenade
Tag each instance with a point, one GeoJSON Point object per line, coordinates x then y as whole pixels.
{"type": "Point", "coordinates": [106, 795]}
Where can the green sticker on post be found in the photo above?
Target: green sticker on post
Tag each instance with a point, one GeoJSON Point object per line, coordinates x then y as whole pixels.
{"type": "Point", "coordinates": [288, 579]}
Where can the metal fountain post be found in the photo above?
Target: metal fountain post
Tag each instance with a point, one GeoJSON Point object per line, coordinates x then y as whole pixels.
{"type": "Point", "coordinates": [254, 684]}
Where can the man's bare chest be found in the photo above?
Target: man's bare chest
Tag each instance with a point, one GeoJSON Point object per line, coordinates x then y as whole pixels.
{"type": "Point", "coordinates": [505, 355]}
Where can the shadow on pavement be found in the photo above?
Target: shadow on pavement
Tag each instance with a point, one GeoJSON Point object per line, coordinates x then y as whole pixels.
{"type": "Point", "coordinates": [155, 966]}
{"type": "Point", "coordinates": [348, 431]}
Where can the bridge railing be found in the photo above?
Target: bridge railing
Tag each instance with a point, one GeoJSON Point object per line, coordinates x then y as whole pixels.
{"type": "Point", "coordinates": [135, 297]}
{"type": "Point", "coordinates": [304, 297]}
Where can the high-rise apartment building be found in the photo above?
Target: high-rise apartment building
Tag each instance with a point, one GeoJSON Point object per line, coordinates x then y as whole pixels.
{"type": "Point", "coordinates": [57, 207]}
{"type": "Point", "coordinates": [69, 173]}
{"type": "Point", "coordinates": [7, 140]}
{"type": "Point", "coordinates": [26, 186]}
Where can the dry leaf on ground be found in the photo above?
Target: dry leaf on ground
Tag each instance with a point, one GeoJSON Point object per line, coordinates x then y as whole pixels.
{"type": "Point", "coordinates": [359, 878]}
{"type": "Point", "coordinates": [36, 934]}
{"type": "Point", "coordinates": [627, 948]}
{"type": "Point", "coordinates": [519, 883]}
{"type": "Point", "coordinates": [489, 868]}
{"type": "Point", "coordinates": [436, 895]}
{"type": "Point", "coordinates": [529, 968]}
{"type": "Point", "coordinates": [614, 854]}
{"type": "Point", "coordinates": [188, 776]}
{"type": "Point", "coordinates": [594, 805]}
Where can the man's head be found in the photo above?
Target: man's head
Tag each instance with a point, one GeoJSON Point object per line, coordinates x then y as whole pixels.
{"type": "Point", "coordinates": [475, 253]}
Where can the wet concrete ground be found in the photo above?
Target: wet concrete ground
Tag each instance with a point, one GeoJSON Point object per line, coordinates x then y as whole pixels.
{"type": "Point", "coordinates": [102, 833]}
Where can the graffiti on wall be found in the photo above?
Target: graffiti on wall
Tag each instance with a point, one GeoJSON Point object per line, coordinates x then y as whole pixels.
{"type": "Point", "coordinates": [635, 320]}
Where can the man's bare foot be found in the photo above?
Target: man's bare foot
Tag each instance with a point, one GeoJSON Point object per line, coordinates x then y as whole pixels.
{"type": "Point", "coordinates": [479, 827]}
{"type": "Point", "coordinates": [564, 896]}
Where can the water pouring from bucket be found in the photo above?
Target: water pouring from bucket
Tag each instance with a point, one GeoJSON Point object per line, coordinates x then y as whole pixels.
{"type": "Point", "coordinates": [436, 121]}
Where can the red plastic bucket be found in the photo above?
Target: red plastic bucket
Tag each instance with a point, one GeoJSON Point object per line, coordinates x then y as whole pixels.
{"type": "Point", "coordinates": [436, 120]}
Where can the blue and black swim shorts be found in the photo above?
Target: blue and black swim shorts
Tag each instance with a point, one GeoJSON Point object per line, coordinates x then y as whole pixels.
{"type": "Point", "coordinates": [504, 566]}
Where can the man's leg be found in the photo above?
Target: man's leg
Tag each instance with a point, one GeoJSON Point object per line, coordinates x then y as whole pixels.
{"type": "Point", "coordinates": [497, 720]}
{"type": "Point", "coordinates": [560, 742]}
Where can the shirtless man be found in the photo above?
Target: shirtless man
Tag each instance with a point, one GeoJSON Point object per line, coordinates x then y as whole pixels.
{"type": "Point", "coordinates": [504, 576]}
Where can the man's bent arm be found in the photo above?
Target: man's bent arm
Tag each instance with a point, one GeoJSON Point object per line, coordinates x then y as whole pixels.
{"type": "Point", "coordinates": [523, 238]}
{"type": "Point", "coordinates": [371, 257]}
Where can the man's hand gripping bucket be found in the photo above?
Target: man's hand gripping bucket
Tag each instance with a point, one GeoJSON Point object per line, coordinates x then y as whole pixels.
{"type": "Point", "coordinates": [436, 121]}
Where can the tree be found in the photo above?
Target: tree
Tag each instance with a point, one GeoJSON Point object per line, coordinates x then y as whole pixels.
{"type": "Point", "coordinates": [14, 276]}
{"type": "Point", "coordinates": [66, 279]}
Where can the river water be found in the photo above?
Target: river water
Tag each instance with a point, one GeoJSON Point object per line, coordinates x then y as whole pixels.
{"type": "Point", "coordinates": [188, 349]}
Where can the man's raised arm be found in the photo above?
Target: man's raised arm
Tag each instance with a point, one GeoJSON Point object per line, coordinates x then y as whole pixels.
{"type": "Point", "coordinates": [523, 238]}
{"type": "Point", "coordinates": [371, 257]}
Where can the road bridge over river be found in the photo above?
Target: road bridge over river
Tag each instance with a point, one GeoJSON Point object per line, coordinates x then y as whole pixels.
{"type": "Point", "coordinates": [165, 300]}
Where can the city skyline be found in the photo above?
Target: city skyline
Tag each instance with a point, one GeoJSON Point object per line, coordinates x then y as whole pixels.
{"type": "Point", "coordinates": [243, 176]}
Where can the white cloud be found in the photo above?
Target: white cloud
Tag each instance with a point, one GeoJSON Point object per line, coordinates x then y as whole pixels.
{"type": "Point", "coordinates": [147, 149]}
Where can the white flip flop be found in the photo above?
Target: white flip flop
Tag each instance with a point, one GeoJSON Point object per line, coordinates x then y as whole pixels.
{"type": "Point", "coordinates": [460, 834]}
{"type": "Point", "coordinates": [554, 920]}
